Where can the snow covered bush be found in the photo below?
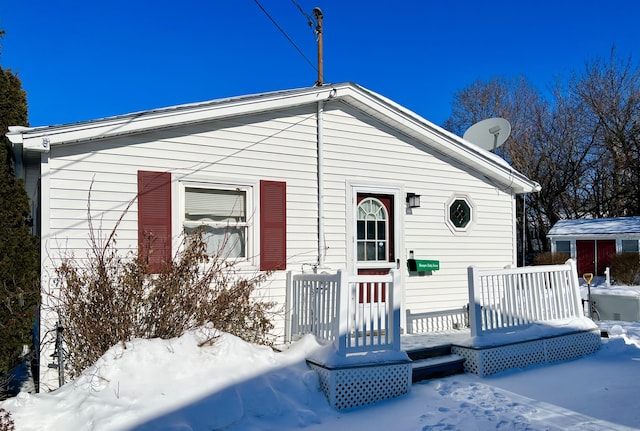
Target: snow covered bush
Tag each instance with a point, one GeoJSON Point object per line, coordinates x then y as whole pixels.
{"type": "Point", "coordinates": [108, 298]}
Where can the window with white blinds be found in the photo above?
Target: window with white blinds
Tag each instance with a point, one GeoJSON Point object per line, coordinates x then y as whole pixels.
{"type": "Point", "coordinates": [222, 214]}
{"type": "Point", "coordinates": [216, 205]}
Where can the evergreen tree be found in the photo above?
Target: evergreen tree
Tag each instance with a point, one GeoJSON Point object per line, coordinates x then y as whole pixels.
{"type": "Point", "coordinates": [19, 253]}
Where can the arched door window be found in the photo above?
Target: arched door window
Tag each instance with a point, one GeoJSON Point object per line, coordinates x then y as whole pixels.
{"type": "Point", "coordinates": [373, 231]}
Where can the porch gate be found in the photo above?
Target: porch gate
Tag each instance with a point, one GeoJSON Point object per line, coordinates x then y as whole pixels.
{"type": "Point", "coordinates": [359, 313]}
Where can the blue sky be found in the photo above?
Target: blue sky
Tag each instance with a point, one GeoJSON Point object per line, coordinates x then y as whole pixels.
{"type": "Point", "coordinates": [82, 60]}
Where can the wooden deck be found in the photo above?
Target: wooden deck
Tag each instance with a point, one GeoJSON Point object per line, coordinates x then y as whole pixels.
{"type": "Point", "coordinates": [409, 342]}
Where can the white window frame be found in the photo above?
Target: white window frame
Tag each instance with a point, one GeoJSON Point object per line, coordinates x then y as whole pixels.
{"type": "Point", "coordinates": [355, 188]}
{"type": "Point", "coordinates": [472, 213]}
{"type": "Point", "coordinates": [250, 224]}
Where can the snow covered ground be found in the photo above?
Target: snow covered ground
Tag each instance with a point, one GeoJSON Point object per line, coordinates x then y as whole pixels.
{"type": "Point", "coordinates": [232, 385]}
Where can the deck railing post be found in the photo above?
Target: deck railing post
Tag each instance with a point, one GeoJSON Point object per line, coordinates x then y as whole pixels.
{"type": "Point", "coordinates": [575, 296]}
{"type": "Point", "coordinates": [288, 308]}
{"type": "Point", "coordinates": [341, 324]}
{"type": "Point", "coordinates": [475, 303]}
{"type": "Point", "coordinates": [395, 295]}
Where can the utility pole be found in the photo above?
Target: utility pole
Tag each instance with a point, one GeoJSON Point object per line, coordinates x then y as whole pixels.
{"type": "Point", "coordinates": [318, 31]}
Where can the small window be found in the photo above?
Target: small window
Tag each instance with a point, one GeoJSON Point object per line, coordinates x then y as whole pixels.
{"type": "Point", "coordinates": [563, 247]}
{"type": "Point", "coordinates": [629, 245]}
{"type": "Point", "coordinates": [460, 213]}
{"type": "Point", "coordinates": [223, 215]}
{"type": "Point", "coordinates": [372, 226]}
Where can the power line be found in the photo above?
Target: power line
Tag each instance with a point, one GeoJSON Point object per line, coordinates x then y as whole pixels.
{"type": "Point", "coordinates": [306, 15]}
{"type": "Point", "coordinates": [285, 34]}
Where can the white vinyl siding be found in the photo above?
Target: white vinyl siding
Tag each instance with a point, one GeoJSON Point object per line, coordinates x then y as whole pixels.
{"type": "Point", "coordinates": [365, 151]}
{"type": "Point", "coordinates": [281, 146]}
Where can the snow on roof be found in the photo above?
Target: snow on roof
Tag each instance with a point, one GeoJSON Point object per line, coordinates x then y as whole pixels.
{"type": "Point", "coordinates": [601, 226]}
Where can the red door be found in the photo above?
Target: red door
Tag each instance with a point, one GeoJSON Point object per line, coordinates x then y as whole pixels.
{"type": "Point", "coordinates": [586, 252]}
{"type": "Point", "coordinates": [375, 238]}
{"type": "Point", "coordinates": [605, 250]}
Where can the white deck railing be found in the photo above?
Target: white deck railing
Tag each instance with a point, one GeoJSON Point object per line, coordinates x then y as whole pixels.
{"type": "Point", "coordinates": [312, 301]}
{"type": "Point", "coordinates": [358, 313]}
{"type": "Point", "coordinates": [437, 321]}
{"type": "Point", "coordinates": [506, 299]}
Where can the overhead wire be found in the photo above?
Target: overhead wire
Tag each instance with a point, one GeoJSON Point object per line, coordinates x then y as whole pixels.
{"type": "Point", "coordinates": [306, 15]}
{"type": "Point", "coordinates": [285, 34]}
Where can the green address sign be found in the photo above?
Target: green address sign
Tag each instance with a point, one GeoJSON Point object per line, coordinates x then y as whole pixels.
{"type": "Point", "coordinates": [420, 265]}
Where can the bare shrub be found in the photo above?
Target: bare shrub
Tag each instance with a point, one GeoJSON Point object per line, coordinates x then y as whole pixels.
{"type": "Point", "coordinates": [549, 258]}
{"type": "Point", "coordinates": [625, 268]}
{"type": "Point", "coordinates": [6, 421]}
{"type": "Point", "coordinates": [108, 298]}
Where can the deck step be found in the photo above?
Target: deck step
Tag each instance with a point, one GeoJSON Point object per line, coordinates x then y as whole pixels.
{"type": "Point", "coordinates": [429, 352]}
{"type": "Point", "coordinates": [440, 366]}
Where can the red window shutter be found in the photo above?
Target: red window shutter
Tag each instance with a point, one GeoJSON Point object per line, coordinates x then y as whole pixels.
{"type": "Point", "coordinates": [154, 218]}
{"type": "Point", "coordinates": [273, 225]}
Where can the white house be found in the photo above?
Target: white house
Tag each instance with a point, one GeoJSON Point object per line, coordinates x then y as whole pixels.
{"type": "Point", "coordinates": [592, 242]}
{"type": "Point", "coordinates": [330, 177]}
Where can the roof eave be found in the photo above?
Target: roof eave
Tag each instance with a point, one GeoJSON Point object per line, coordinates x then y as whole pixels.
{"type": "Point", "coordinates": [40, 139]}
{"type": "Point", "coordinates": [446, 142]}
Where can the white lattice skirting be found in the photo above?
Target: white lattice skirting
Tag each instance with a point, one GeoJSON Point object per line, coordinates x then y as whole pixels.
{"type": "Point", "coordinates": [356, 386]}
{"type": "Point", "coordinates": [490, 360]}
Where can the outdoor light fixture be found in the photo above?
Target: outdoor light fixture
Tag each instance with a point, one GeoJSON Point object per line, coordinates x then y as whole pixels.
{"type": "Point", "coordinates": [413, 200]}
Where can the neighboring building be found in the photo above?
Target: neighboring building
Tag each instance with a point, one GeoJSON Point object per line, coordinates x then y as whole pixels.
{"type": "Point", "coordinates": [330, 177]}
{"type": "Point", "coordinates": [592, 242]}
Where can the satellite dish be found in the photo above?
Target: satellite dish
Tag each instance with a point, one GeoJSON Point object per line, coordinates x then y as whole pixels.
{"type": "Point", "coordinates": [488, 134]}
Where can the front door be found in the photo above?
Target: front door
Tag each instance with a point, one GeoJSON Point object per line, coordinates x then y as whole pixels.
{"type": "Point", "coordinates": [594, 256]}
{"type": "Point", "coordinates": [586, 256]}
{"type": "Point", "coordinates": [375, 237]}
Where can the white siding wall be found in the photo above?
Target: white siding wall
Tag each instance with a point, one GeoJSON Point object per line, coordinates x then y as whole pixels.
{"type": "Point", "coordinates": [282, 146]}
{"type": "Point", "coordinates": [272, 147]}
{"type": "Point", "coordinates": [234, 152]}
{"type": "Point", "coordinates": [362, 150]}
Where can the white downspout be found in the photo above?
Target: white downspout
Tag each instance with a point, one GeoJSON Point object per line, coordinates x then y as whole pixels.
{"type": "Point", "coordinates": [320, 149]}
{"type": "Point", "coordinates": [524, 229]}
